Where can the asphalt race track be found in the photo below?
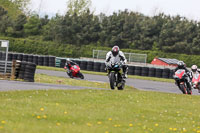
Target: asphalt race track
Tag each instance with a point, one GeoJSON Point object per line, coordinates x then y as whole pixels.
{"type": "Point", "coordinates": [137, 83]}
{"type": "Point", "coordinates": [146, 85]}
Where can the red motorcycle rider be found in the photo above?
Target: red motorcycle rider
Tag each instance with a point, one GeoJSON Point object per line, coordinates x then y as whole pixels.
{"type": "Point", "coordinates": [68, 65]}
{"type": "Point", "coordinates": [195, 77]}
{"type": "Point", "coordinates": [181, 65]}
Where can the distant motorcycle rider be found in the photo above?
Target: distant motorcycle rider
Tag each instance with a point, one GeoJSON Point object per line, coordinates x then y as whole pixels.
{"type": "Point", "coordinates": [194, 69]}
{"type": "Point", "coordinates": [181, 65]}
{"type": "Point", "coordinates": [116, 54]}
{"type": "Point", "coordinates": [68, 65]}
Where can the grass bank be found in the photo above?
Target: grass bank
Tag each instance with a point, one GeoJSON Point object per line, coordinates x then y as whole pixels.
{"type": "Point", "coordinates": [99, 111]}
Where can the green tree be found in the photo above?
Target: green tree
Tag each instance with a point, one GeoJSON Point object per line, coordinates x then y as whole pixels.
{"type": "Point", "coordinates": [78, 6]}
{"type": "Point", "coordinates": [5, 21]}
{"type": "Point", "coordinates": [15, 7]}
{"type": "Point", "coordinates": [33, 26]}
{"type": "Point", "coordinates": [17, 28]}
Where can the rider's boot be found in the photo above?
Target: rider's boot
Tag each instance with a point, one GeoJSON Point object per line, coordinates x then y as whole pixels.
{"type": "Point", "coordinates": [124, 75]}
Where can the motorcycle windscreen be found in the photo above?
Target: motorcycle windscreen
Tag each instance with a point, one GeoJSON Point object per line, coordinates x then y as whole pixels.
{"type": "Point", "coordinates": [179, 73]}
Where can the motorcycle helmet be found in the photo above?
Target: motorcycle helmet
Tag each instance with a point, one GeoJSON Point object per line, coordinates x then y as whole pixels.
{"type": "Point", "coordinates": [194, 68]}
{"type": "Point", "coordinates": [180, 64]}
{"type": "Point", "coordinates": [115, 50]}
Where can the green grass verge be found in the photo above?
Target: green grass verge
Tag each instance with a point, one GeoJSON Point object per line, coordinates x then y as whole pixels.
{"type": "Point", "coordinates": [43, 78]}
{"type": "Point", "coordinates": [101, 73]}
{"type": "Point", "coordinates": [98, 111]}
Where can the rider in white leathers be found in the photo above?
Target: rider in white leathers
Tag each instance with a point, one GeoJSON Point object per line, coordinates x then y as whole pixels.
{"type": "Point", "coordinates": [117, 55]}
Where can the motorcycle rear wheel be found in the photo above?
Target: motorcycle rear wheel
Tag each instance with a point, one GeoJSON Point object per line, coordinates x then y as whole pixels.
{"type": "Point", "coordinates": [112, 80]}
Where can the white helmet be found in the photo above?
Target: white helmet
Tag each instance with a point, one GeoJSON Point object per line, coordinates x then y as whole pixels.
{"type": "Point", "coordinates": [194, 68]}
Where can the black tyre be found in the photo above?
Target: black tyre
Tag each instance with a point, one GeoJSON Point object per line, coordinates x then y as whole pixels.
{"type": "Point", "coordinates": [90, 65]}
{"type": "Point", "coordinates": [166, 73]}
{"type": "Point", "coordinates": [131, 70]}
{"type": "Point", "coordinates": [152, 72]}
{"type": "Point", "coordinates": [83, 65]}
{"type": "Point", "coordinates": [138, 70]}
{"type": "Point", "coordinates": [121, 87]}
{"type": "Point", "coordinates": [144, 71]}
{"type": "Point", "coordinates": [81, 75]}
{"type": "Point", "coordinates": [189, 91]}
{"type": "Point", "coordinates": [97, 66]}
{"type": "Point", "coordinates": [183, 88]}
{"type": "Point", "coordinates": [112, 80]}
{"type": "Point", "coordinates": [159, 72]}
{"type": "Point", "coordinates": [102, 67]}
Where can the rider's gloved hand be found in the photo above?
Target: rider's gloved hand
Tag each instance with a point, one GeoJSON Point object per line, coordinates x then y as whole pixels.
{"type": "Point", "coordinates": [122, 62]}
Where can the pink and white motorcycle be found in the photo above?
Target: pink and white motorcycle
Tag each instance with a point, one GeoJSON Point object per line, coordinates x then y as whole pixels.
{"type": "Point", "coordinates": [196, 81]}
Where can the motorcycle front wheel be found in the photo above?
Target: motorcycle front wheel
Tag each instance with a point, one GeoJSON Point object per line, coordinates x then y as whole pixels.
{"type": "Point", "coordinates": [81, 75]}
{"type": "Point", "coordinates": [122, 84]}
{"type": "Point", "coordinates": [112, 80]}
{"type": "Point", "coordinates": [183, 88]}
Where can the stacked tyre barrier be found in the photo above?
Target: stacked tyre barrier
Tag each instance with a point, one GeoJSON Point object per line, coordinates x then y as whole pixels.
{"type": "Point", "coordinates": [42, 60]}
{"type": "Point", "coordinates": [8, 66]}
{"type": "Point", "coordinates": [26, 71]}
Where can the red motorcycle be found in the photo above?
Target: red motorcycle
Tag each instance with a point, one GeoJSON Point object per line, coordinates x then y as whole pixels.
{"type": "Point", "coordinates": [74, 72]}
{"type": "Point", "coordinates": [180, 77]}
{"type": "Point", "coordinates": [196, 81]}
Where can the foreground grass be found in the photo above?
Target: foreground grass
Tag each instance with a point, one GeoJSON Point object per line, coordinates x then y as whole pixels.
{"type": "Point", "coordinates": [98, 111]}
{"type": "Point", "coordinates": [101, 73]}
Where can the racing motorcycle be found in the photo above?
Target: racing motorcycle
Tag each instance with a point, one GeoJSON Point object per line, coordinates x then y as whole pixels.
{"type": "Point", "coordinates": [196, 81]}
{"type": "Point", "coordinates": [115, 75]}
{"type": "Point", "coordinates": [180, 76]}
{"type": "Point", "coordinates": [74, 72]}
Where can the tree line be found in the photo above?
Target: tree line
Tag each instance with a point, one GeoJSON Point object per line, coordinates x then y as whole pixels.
{"type": "Point", "coordinates": [127, 29]}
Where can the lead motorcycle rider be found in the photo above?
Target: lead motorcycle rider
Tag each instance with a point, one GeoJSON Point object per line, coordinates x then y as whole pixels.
{"type": "Point", "coordinates": [116, 54]}
{"type": "Point", "coordinates": [181, 65]}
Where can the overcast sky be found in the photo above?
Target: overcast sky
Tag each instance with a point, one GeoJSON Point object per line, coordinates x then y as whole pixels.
{"type": "Point", "coordinates": [187, 8]}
